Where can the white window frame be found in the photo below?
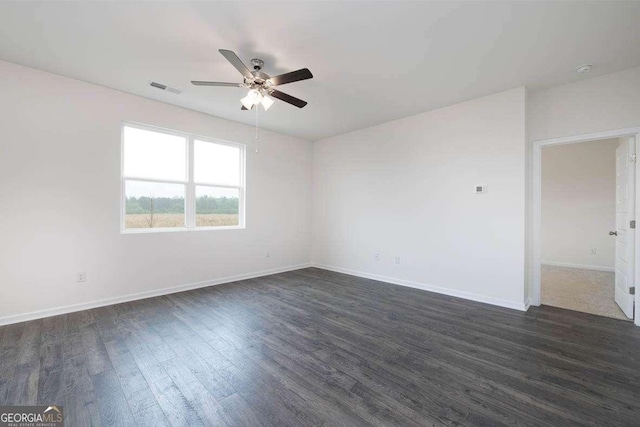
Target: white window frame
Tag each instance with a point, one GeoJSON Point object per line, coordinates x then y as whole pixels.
{"type": "Point", "coordinates": [189, 184]}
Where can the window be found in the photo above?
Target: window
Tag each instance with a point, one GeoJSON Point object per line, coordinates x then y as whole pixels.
{"type": "Point", "coordinates": [176, 181]}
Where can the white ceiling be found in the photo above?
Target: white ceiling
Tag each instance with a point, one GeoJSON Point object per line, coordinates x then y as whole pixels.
{"type": "Point", "coordinates": [372, 61]}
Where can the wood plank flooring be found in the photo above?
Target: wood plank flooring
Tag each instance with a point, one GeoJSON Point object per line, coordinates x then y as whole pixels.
{"type": "Point", "coordinates": [313, 347]}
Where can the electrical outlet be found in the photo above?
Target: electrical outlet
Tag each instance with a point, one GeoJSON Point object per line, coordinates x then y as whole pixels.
{"type": "Point", "coordinates": [81, 277]}
{"type": "Point", "coordinates": [594, 251]}
{"type": "Point", "coordinates": [376, 257]}
{"type": "Point", "coordinates": [397, 260]}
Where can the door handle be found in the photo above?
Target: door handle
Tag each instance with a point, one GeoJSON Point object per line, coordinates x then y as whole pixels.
{"type": "Point", "coordinates": [613, 233]}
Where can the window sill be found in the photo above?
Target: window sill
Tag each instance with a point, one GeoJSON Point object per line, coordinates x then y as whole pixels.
{"type": "Point", "coordinates": [177, 229]}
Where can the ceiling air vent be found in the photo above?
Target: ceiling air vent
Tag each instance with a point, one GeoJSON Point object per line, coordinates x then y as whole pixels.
{"type": "Point", "coordinates": [165, 87]}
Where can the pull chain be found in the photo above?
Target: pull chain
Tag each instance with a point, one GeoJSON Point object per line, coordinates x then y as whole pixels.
{"type": "Point", "coordinates": [256, 107]}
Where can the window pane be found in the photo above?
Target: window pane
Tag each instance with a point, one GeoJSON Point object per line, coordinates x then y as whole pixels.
{"type": "Point", "coordinates": [216, 207]}
{"type": "Point", "coordinates": [154, 155]}
{"type": "Point", "coordinates": [154, 205]}
{"type": "Point", "coordinates": [216, 163]}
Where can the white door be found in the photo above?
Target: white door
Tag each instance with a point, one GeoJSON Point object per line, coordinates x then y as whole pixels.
{"type": "Point", "coordinates": [625, 213]}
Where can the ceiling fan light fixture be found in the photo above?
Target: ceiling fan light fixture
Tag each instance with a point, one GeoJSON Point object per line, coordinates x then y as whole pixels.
{"type": "Point", "coordinates": [247, 101]}
{"type": "Point", "coordinates": [255, 96]}
{"type": "Point", "coordinates": [267, 102]}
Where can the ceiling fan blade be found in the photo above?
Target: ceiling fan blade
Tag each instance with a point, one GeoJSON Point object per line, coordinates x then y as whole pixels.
{"type": "Point", "coordinates": [236, 62]}
{"type": "Point", "coordinates": [291, 77]}
{"type": "Point", "coordinates": [200, 83]}
{"type": "Point", "coordinates": [288, 98]}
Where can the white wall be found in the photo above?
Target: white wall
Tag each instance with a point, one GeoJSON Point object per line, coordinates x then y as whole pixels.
{"type": "Point", "coordinates": [578, 204]}
{"type": "Point", "coordinates": [594, 105]}
{"type": "Point", "coordinates": [398, 189]}
{"type": "Point", "coordinates": [404, 188]}
{"type": "Point", "coordinates": [60, 193]}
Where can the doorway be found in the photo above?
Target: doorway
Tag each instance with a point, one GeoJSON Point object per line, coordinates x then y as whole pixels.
{"type": "Point", "coordinates": [578, 216]}
{"type": "Point", "coordinates": [583, 229]}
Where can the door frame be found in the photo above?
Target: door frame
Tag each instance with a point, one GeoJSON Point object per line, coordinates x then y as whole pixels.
{"type": "Point", "coordinates": [536, 207]}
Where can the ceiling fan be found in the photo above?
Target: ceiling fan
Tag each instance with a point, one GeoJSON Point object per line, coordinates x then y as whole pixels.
{"type": "Point", "coordinates": [261, 85]}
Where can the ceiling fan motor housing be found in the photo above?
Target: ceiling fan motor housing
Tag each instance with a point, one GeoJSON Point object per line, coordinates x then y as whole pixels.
{"type": "Point", "coordinates": [259, 79]}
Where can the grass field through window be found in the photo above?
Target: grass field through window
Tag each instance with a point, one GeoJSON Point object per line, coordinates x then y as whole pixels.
{"type": "Point", "coordinates": [164, 220]}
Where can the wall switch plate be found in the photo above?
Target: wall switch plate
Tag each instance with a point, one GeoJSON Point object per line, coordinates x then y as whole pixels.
{"type": "Point", "coordinates": [81, 277]}
{"type": "Point", "coordinates": [267, 254]}
{"type": "Point", "coordinates": [594, 251]}
{"type": "Point", "coordinates": [397, 260]}
{"type": "Point", "coordinates": [376, 257]}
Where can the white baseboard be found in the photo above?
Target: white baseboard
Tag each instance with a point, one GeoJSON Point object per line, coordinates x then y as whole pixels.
{"type": "Point", "coordinates": [586, 267]}
{"type": "Point", "coordinates": [437, 289]}
{"type": "Point", "coordinates": [141, 295]}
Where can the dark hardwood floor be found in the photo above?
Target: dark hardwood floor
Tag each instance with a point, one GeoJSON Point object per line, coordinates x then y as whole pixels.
{"type": "Point", "coordinates": [313, 347]}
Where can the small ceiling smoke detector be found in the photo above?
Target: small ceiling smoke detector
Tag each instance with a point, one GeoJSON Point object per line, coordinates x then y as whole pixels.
{"type": "Point", "coordinates": [583, 68]}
